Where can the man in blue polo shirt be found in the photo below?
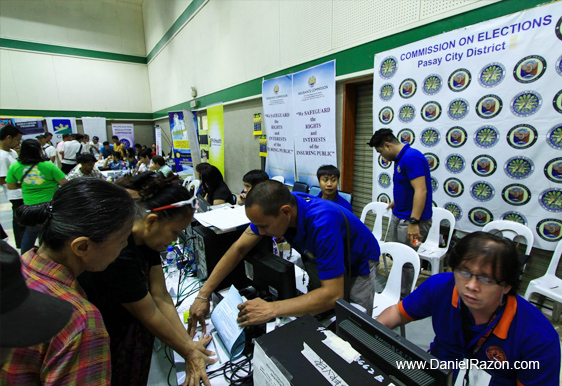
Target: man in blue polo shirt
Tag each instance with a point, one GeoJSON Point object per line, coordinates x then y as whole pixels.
{"type": "Point", "coordinates": [317, 229]}
{"type": "Point", "coordinates": [328, 179]}
{"type": "Point", "coordinates": [476, 314]}
{"type": "Point", "coordinates": [412, 196]}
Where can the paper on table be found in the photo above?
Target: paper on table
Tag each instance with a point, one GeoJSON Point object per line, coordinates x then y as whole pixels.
{"type": "Point", "coordinates": [224, 319]}
{"type": "Point", "coordinates": [224, 218]}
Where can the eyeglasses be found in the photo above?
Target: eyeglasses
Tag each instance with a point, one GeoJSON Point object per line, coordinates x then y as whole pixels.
{"type": "Point", "coordinates": [192, 202]}
{"type": "Point", "coordinates": [467, 275]}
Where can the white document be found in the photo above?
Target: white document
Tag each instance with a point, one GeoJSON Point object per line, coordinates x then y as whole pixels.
{"type": "Point", "coordinates": [224, 319]}
{"type": "Point", "coordinates": [266, 373]}
{"type": "Point", "coordinates": [224, 218]}
{"type": "Point", "coordinates": [324, 368]}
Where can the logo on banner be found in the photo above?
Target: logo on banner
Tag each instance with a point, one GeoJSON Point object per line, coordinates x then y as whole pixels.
{"type": "Point", "coordinates": [516, 194]}
{"type": "Point", "coordinates": [432, 161]}
{"type": "Point", "coordinates": [554, 137]}
{"type": "Point", "coordinates": [455, 163]}
{"type": "Point", "coordinates": [454, 209]}
{"type": "Point", "coordinates": [388, 68]}
{"type": "Point", "coordinates": [491, 75]}
{"type": "Point", "coordinates": [406, 136]}
{"type": "Point", "coordinates": [430, 137]}
{"type": "Point", "coordinates": [496, 354]}
{"type": "Point", "coordinates": [515, 217]}
{"type": "Point", "coordinates": [484, 165]}
{"type": "Point", "coordinates": [434, 184]}
{"type": "Point", "coordinates": [489, 106]}
{"type": "Point", "coordinates": [453, 187]}
{"type": "Point", "coordinates": [407, 113]}
{"type": "Point", "coordinates": [558, 29]}
{"type": "Point", "coordinates": [459, 80]}
{"type": "Point", "coordinates": [456, 136]}
{"type": "Point", "coordinates": [384, 163]}
{"type": "Point", "coordinates": [408, 88]}
{"type": "Point", "coordinates": [312, 81]}
{"type": "Point", "coordinates": [482, 191]}
{"type": "Point", "coordinates": [522, 136]}
{"type": "Point", "coordinates": [557, 102]}
{"type": "Point", "coordinates": [519, 167]}
{"type": "Point", "coordinates": [480, 216]}
{"type": "Point", "coordinates": [486, 137]}
{"type": "Point", "coordinates": [276, 89]}
{"type": "Point", "coordinates": [551, 199]}
{"type": "Point", "coordinates": [384, 180]}
{"type": "Point", "coordinates": [432, 84]}
{"type": "Point", "coordinates": [431, 111]}
{"type": "Point", "coordinates": [383, 197]}
{"type": "Point", "coordinates": [526, 103]}
{"type": "Point", "coordinates": [549, 229]}
{"type": "Point", "coordinates": [559, 65]}
{"type": "Point", "coordinates": [62, 126]}
{"type": "Point", "coordinates": [458, 109]}
{"type": "Point", "coordinates": [386, 92]}
{"type": "Point", "coordinates": [529, 69]}
{"type": "Point", "coordinates": [386, 115]}
{"type": "Point", "coordinates": [553, 170]}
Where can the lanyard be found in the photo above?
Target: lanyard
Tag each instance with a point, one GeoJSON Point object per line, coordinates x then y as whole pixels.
{"type": "Point", "coordinates": [481, 338]}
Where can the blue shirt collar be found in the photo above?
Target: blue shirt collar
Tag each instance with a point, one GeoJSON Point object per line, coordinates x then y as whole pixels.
{"type": "Point", "coordinates": [300, 234]}
{"type": "Point", "coordinates": [406, 146]}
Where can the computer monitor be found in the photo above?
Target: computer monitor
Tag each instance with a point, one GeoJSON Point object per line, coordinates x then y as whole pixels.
{"type": "Point", "coordinates": [272, 276]}
{"type": "Point", "coordinates": [384, 348]}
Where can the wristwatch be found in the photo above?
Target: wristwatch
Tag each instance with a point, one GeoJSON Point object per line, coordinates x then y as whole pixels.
{"type": "Point", "coordinates": [414, 221]}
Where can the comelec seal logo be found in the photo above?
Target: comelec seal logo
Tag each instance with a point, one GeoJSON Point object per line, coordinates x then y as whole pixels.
{"type": "Point", "coordinates": [522, 136]}
{"type": "Point", "coordinates": [549, 229]}
{"type": "Point", "coordinates": [458, 109]}
{"type": "Point", "coordinates": [489, 106]}
{"type": "Point", "coordinates": [553, 170]}
{"type": "Point", "coordinates": [480, 216]}
{"type": "Point", "coordinates": [431, 111]}
{"type": "Point", "coordinates": [311, 81]}
{"type": "Point", "coordinates": [496, 354]}
{"type": "Point", "coordinates": [384, 163]}
{"type": "Point", "coordinates": [434, 184]}
{"type": "Point", "coordinates": [384, 180]}
{"type": "Point", "coordinates": [486, 137]}
{"type": "Point", "coordinates": [529, 69]}
{"type": "Point", "coordinates": [408, 88]}
{"type": "Point", "coordinates": [557, 102]}
{"type": "Point", "coordinates": [459, 80]}
{"type": "Point", "coordinates": [407, 113]}
{"type": "Point", "coordinates": [454, 209]}
{"type": "Point", "coordinates": [558, 29]}
{"type": "Point", "coordinates": [388, 67]}
{"type": "Point", "coordinates": [432, 84]}
{"type": "Point", "coordinates": [491, 75]}
{"type": "Point", "coordinates": [432, 161]}
{"type": "Point", "coordinates": [430, 137]}
{"type": "Point", "coordinates": [482, 191]}
{"type": "Point", "coordinates": [519, 167]}
{"type": "Point", "coordinates": [383, 197]}
{"type": "Point", "coordinates": [515, 217]}
{"type": "Point", "coordinates": [276, 89]}
{"type": "Point", "coordinates": [455, 163]}
{"type": "Point", "coordinates": [484, 165]}
{"type": "Point", "coordinates": [526, 103]}
{"type": "Point", "coordinates": [387, 92]}
{"type": "Point", "coordinates": [456, 136]}
{"type": "Point", "coordinates": [386, 115]}
{"type": "Point", "coordinates": [551, 200]}
{"type": "Point", "coordinates": [554, 137]}
{"type": "Point", "coordinates": [406, 136]}
{"type": "Point", "coordinates": [516, 194]}
{"type": "Point", "coordinates": [453, 187]}
{"type": "Point", "coordinates": [558, 66]}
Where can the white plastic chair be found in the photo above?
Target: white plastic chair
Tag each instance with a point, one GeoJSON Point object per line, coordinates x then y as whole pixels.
{"type": "Point", "coordinates": [430, 249]}
{"type": "Point", "coordinates": [401, 254]}
{"type": "Point", "coordinates": [379, 209]}
{"type": "Point", "coordinates": [279, 178]}
{"type": "Point", "coordinates": [549, 285]}
{"type": "Point", "coordinates": [194, 184]}
{"type": "Point", "coordinates": [511, 230]}
{"type": "Point", "coordinates": [186, 181]}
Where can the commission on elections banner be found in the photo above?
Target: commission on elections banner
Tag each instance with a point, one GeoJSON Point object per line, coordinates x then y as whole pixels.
{"type": "Point", "coordinates": [277, 106]}
{"type": "Point", "coordinates": [314, 120]}
{"type": "Point", "coordinates": [125, 132]}
{"type": "Point", "coordinates": [60, 126]}
{"type": "Point", "coordinates": [484, 104]}
{"type": "Point", "coordinates": [180, 143]}
{"type": "Point", "coordinates": [216, 136]}
{"type": "Point", "coordinates": [29, 126]}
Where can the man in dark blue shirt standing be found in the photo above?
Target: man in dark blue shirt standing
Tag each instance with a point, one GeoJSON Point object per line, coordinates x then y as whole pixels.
{"type": "Point", "coordinates": [411, 204]}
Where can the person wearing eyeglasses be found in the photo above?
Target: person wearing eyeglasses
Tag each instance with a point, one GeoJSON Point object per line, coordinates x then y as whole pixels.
{"type": "Point", "coordinates": [131, 293]}
{"type": "Point", "coordinates": [477, 314]}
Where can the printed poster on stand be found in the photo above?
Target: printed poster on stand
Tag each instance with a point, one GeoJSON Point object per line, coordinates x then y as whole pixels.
{"type": "Point", "coordinates": [181, 142]}
{"type": "Point", "coordinates": [59, 126]}
{"type": "Point", "coordinates": [216, 136]}
{"type": "Point", "coordinates": [30, 126]}
{"type": "Point", "coordinates": [95, 126]}
{"type": "Point", "coordinates": [125, 132]}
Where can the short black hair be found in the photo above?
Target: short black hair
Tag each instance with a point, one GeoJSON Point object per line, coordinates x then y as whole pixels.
{"type": "Point", "coordinates": [78, 136]}
{"type": "Point", "coordinates": [85, 158]}
{"type": "Point", "coordinates": [115, 137]}
{"type": "Point", "coordinates": [30, 152]}
{"type": "Point", "coordinates": [270, 195]}
{"type": "Point", "coordinates": [105, 143]}
{"type": "Point", "coordinates": [9, 130]}
{"type": "Point", "coordinates": [381, 137]}
{"type": "Point", "coordinates": [158, 159]}
{"type": "Point", "coordinates": [497, 251]}
{"type": "Point", "coordinates": [327, 170]}
{"type": "Point", "coordinates": [145, 153]}
{"type": "Point", "coordinates": [65, 135]}
{"type": "Point", "coordinates": [254, 177]}
{"type": "Point", "coordinates": [40, 136]}
{"type": "Point", "coordinates": [47, 134]}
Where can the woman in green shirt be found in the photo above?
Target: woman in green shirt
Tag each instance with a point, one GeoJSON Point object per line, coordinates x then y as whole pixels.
{"type": "Point", "coordinates": [38, 179]}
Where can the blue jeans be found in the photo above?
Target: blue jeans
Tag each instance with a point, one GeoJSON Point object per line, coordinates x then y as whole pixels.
{"type": "Point", "coordinates": [29, 237]}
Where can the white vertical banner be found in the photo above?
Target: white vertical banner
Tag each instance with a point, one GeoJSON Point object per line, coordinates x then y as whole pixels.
{"type": "Point", "coordinates": [190, 120]}
{"type": "Point", "coordinates": [95, 126]}
{"type": "Point", "coordinates": [278, 121]}
{"type": "Point", "coordinates": [314, 120]}
{"type": "Point", "coordinates": [60, 126]}
{"type": "Point", "coordinates": [125, 132]}
{"type": "Point", "coordinates": [158, 139]}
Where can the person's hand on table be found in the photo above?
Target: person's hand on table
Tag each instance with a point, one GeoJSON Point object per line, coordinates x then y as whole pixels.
{"type": "Point", "coordinates": [196, 363]}
{"type": "Point", "coordinates": [197, 313]}
{"type": "Point", "coordinates": [255, 311]}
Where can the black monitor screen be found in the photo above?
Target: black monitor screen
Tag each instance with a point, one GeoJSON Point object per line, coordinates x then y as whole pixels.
{"type": "Point", "coordinates": [272, 276]}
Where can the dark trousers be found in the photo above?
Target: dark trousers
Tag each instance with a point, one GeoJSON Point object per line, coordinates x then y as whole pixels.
{"type": "Point", "coordinates": [16, 227]}
{"type": "Point", "coordinates": [66, 168]}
